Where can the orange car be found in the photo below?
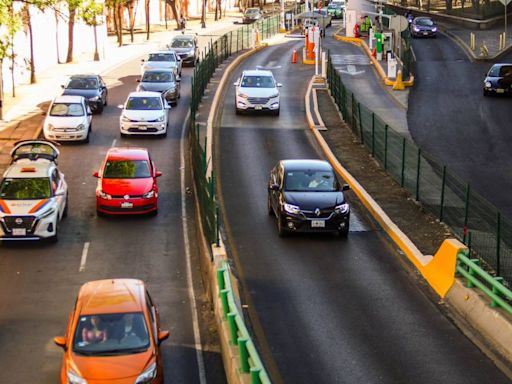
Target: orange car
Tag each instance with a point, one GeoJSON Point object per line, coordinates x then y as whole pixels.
{"type": "Point", "coordinates": [113, 336]}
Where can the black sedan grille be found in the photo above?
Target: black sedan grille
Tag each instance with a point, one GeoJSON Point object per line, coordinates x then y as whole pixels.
{"type": "Point", "coordinates": [258, 100]}
{"type": "Point", "coordinates": [323, 214]}
{"type": "Point", "coordinates": [25, 222]}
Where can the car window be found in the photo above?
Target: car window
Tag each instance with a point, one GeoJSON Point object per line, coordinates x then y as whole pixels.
{"type": "Point", "coordinates": [82, 83]}
{"type": "Point", "coordinates": [424, 22]}
{"type": "Point", "coordinates": [55, 180]}
{"type": "Point", "coordinates": [144, 103]}
{"type": "Point", "coordinates": [258, 82]}
{"type": "Point", "coordinates": [25, 188]}
{"type": "Point", "coordinates": [310, 181]}
{"type": "Point", "coordinates": [161, 57]}
{"type": "Point", "coordinates": [182, 43]}
{"type": "Point", "coordinates": [506, 71]}
{"type": "Point", "coordinates": [66, 109]}
{"type": "Point", "coordinates": [126, 169]}
{"type": "Point", "coordinates": [111, 334]}
{"type": "Point", "coordinates": [157, 77]}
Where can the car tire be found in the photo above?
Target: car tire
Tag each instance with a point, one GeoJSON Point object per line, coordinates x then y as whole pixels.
{"type": "Point", "coordinates": [86, 140]}
{"type": "Point", "coordinates": [486, 93]}
{"type": "Point", "coordinates": [276, 112]}
{"type": "Point", "coordinates": [163, 135]}
{"type": "Point", "coordinates": [153, 213]}
{"type": "Point", "coordinates": [100, 109]}
{"type": "Point", "coordinates": [123, 135]}
{"type": "Point", "coordinates": [281, 230]}
{"type": "Point", "coordinates": [238, 111]}
{"type": "Point", "coordinates": [65, 213]}
{"type": "Point", "coordinates": [343, 233]}
{"type": "Point", "coordinates": [100, 214]}
{"type": "Point", "coordinates": [105, 103]}
{"type": "Point", "coordinates": [270, 210]}
{"type": "Point", "coordinates": [55, 238]}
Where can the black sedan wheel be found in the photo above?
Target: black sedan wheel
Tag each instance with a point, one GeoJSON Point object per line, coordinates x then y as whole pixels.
{"type": "Point", "coordinates": [282, 232]}
{"type": "Point", "coordinates": [269, 207]}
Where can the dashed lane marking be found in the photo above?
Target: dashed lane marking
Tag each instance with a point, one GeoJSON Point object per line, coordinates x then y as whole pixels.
{"type": "Point", "coordinates": [85, 251]}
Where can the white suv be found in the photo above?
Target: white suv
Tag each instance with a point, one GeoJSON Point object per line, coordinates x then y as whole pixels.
{"type": "Point", "coordinates": [256, 90]}
{"type": "Point", "coordinates": [33, 193]}
{"type": "Point", "coordinates": [144, 113]}
{"type": "Point", "coordinates": [69, 118]}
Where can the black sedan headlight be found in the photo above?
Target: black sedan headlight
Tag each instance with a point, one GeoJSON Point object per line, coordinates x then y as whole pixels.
{"type": "Point", "coordinates": [488, 84]}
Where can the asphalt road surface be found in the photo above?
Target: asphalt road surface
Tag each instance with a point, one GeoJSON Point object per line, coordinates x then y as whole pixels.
{"type": "Point", "coordinates": [39, 282]}
{"type": "Point", "coordinates": [450, 118]}
{"type": "Point", "coordinates": [326, 310]}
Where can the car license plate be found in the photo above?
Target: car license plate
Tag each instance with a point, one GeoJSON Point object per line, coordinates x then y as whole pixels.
{"type": "Point", "coordinates": [499, 90]}
{"type": "Point", "coordinates": [126, 204]}
{"type": "Point", "coordinates": [317, 224]}
{"type": "Point", "coordinates": [425, 33]}
{"type": "Point", "coordinates": [142, 127]}
{"type": "Point", "coordinates": [258, 107]}
{"type": "Point", "coordinates": [19, 231]}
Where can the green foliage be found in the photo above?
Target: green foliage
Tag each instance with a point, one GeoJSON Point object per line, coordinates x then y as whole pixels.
{"type": "Point", "coordinates": [89, 12]}
{"type": "Point", "coordinates": [10, 23]}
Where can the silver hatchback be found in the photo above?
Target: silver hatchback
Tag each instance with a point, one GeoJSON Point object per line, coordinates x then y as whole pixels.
{"type": "Point", "coordinates": [164, 81]}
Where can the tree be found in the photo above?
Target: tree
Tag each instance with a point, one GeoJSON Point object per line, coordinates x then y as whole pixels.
{"type": "Point", "coordinates": [172, 4]}
{"type": "Point", "coordinates": [73, 6]}
{"type": "Point", "coordinates": [90, 13]}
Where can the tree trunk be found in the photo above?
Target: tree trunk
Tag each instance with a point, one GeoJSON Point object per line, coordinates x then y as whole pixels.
{"type": "Point", "coordinates": [120, 23]}
{"type": "Point", "coordinates": [96, 53]}
{"type": "Point", "coordinates": [57, 35]}
{"type": "Point", "coordinates": [131, 17]}
{"type": "Point", "coordinates": [147, 19]}
{"type": "Point", "coordinates": [28, 20]}
{"type": "Point", "coordinates": [172, 4]}
{"type": "Point", "coordinates": [71, 30]}
{"type": "Point", "coordinates": [13, 62]}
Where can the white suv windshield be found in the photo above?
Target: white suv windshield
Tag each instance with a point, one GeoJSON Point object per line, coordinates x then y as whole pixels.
{"type": "Point", "coordinates": [258, 82]}
{"type": "Point", "coordinates": [25, 188]}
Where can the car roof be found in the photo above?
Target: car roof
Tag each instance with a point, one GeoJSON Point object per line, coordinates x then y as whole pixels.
{"type": "Point", "coordinates": [145, 94]}
{"type": "Point", "coordinates": [161, 52]}
{"type": "Point", "coordinates": [111, 296]}
{"type": "Point", "coordinates": [25, 168]}
{"type": "Point", "coordinates": [169, 70]}
{"type": "Point", "coordinates": [257, 72]}
{"type": "Point", "coordinates": [128, 153]}
{"type": "Point", "coordinates": [83, 75]}
{"type": "Point", "coordinates": [306, 164]}
{"type": "Point", "coordinates": [184, 37]}
{"type": "Point", "coordinates": [68, 99]}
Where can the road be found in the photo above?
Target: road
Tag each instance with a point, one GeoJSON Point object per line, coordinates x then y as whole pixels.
{"type": "Point", "coordinates": [326, 310]}
{"type": "Point", "coordinates": [39, 282]}
{"type": "Point", "coordinates": [470, 133]}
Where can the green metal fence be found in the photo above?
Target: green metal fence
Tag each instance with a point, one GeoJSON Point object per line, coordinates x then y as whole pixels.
{"type": "Point", "coordinates": [472, 218]}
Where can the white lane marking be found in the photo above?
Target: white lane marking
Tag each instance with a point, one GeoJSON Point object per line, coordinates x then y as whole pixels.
{"type": "Point", "coordinates": [193, 306]}
{"type": "Point", "coordinates": [113, 143]}
{"type": "Point", "coordinates": [84, 257]}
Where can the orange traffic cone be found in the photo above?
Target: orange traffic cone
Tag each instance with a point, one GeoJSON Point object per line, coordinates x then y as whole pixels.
{"type": "Point", "coordinates": [374, 52]}
{"type": "Point", "coordinates": [294, 56]}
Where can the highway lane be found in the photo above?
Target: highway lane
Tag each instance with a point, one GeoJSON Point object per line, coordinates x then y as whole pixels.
{"type": "Point", "coordinates": [325, 310]}
{"type": "Point", "coordinates": [39, 282]}
{"type": "Point", "coordinates": [450, 118]}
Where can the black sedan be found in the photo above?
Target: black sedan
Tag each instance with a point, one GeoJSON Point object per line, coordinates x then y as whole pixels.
{"type": "Point", "coordinates": [498, 80]}
{"type": "Point", "coordinates": [91, 87]}
{"type": "Point", "coordinates": [423, 27]}
{"type": "Point", "coordinates": [305, 196]}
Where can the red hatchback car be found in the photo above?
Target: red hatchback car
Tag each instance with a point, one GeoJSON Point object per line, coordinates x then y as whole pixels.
{"type": "Point", "coordinates": [127, 182]}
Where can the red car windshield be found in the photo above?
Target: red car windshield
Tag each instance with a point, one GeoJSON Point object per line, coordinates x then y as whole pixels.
{"type": "Point", "coordinates": [126, 169]}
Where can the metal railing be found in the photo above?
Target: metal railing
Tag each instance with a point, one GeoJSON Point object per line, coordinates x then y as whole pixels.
{"type": "Point", "coordinates": [472, 218]}
{"type": "Point", "coordinates": [250, 362]}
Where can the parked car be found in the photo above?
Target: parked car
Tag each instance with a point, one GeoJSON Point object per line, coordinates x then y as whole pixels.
{"type": "Point", "coordinates": [186, 47]}
{"type": "Point", "coordinates": [91, 87]}
{"type": "Point", "coordinates": [257, 90]}
{"type": "Point", "coordinates": [164, 81]}
{"type": "Point", "coordinates": [144, 113]}
{"type": "Point", "coordinates": [498, 80]}
{"type": "Point", "coordinates": [335, 9]}
{"type": "Point", "coordinates": [251, 15]}
{"type": "Point", "coordinates": [33, 193]}
{"type": "Point", "coordinates": [162, 60]}
{"type": "Point", "coordinates": [423, 27]}
{"type": "Point", "coordinates": [69, 118]}
{"type": "Point", "coordinates": [113, 335]}
{"type": "Point", "coordinates": [305, 196]}
{"type": "Point", "coordinates": [127, 182]}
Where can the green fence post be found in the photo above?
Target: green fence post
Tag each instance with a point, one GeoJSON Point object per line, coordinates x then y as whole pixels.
{"type": "Point", "coordinates": [471, 272]}
{"type": "Point", "coordinates": [255, 375]}
{"type": "Point", "coordinates": [466, 213]}
{"type": "Point", "coordinates": [386, 148]}
{"type": "Point", "coordinates": [244, 355]}
{"type": "Point", "coordinates": [373, 134]}
{"type": "Point", "coordinates": [496, 291]}
{"type": "Point", "coordinates": [402, 179]}
{"type": "Point", "coordinates": [224, 301]}
{"type": "Point", "coordinates": [418, 175]}
{"type": "Point", "coordinates": [220, 278]}
{"type": "Point", "coordinates": [360, 120]}
{"type": "Point", "coordinates": [443, 183]}
{"type": "Point", "coordinates": [233, 331]}
{"type": "Point", "coordinates": [498, 244]}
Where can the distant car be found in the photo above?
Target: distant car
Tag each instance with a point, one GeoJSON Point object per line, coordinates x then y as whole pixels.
{"type": "Point", "coordinates": [113, 335]}
{"type": "Point", "coordinates": [33, 193]}
{"type": "Point", "coordinates": [186, 47]}
{"type": "Point", "coordinates": [305, 196]}
{"type": "Point", "coordinates": [423, 27]}
{"type": "Point", "coordinates": [162, 60]}
{"type": "Point", "coordinates": [144, 113]}
{"type": "Point", "coordinates": [127, 182]}
{"type": "Point", "coordinates": [335, 10]}
{"type": "Point", "coordinates": [69, 118]}
{"type": "Point", "coordinates": [161, 80]}
{"type": "Point", "coordinates": [91, 87]}
{"type": "Point", "coordinates": [498, 80]}
{"type": "Point", "coordinates": [251, 15]}
{"type": "Point", "coordinates": [257, 90]}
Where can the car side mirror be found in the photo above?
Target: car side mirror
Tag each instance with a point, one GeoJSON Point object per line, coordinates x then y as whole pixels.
{"type": "Point", "coordinates": [43, 113]}
{"type": "Point", "coordinates": [60, 341]}
{"type": "Point", "coordinates": [167, 106]}
{"type": "Point", "coordinates": [163, 335]}
{"type": "Point", "coordinates": [138, 80]}
{"type": "Point", "coordinates": [279, 85]}
{"type": "Point", "coordinates": [274, 187]}
{"type": "Point", "coordinates": [345, 187]}
{"type": "Point", "coordinates": [62, 86]}
{"type": "Point", "coordinates": [96, 174]}
{"type": "Point", "coordinates": [236, 83]}
{"type": "Point", "coordinates": [158, 174]}
{"type": "Point", "coordinates": [60, 192]}
{"type": "Point", "coordinates": [143, 60]}
{"type": "Point", "coordinates": [178, 78]}
{"type": "Point", "coordinates": [120, 106]}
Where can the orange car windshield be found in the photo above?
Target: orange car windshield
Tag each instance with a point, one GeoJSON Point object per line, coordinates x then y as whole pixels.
{"type": "Point", "coordinates": [111, 334]}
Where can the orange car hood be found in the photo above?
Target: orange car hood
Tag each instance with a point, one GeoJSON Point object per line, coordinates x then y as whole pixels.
{"type": "Point", "coordinates": [111, 367]}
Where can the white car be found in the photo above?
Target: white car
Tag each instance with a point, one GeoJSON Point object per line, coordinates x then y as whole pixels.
{"type": "Point", "coordinates": [33, 193]}
{"type": "Point", "coordinates": [257, 90]}
{"type": "Point", "coordinates": [144, 113]}
{"type": "Point", "coordinates": [69, 118]}
{"type": "Point", "coordinates": [162, 60]}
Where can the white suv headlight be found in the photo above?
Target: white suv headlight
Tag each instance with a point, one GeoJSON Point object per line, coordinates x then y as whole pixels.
{"type": "Point", "coordinates": [291, 208]}
{"type": "Point", "coordinates": [147, 376]}
{"type": "Point", "coordinates": [274, 95]}
{"type": "Point", "coordinates": [161, 118]}
{"type": "Point", "coordinates": [124, 118]}
{"type": "Point", "coordinates": [73, 378]}
{"type": "Point", "coordinates": [47, 213]}
{"type": "Point", "coordinates": [242, 96]}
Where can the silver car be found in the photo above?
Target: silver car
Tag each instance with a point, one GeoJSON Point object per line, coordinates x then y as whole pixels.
{"type": "Point", "coordinates": [186, 48]}
{"type": "Point", "coordinates": [164, 81]}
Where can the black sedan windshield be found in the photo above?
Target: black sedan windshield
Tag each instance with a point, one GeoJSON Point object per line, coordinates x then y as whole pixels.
{"type": "Point", "coordinates": [25, 188]}
{"type": "Point", "coordinates": [157, 77]}
{"type": "Point", "coordinates": [424, 22]}
{"type": "Point", "coordinates": [111, 334]}
{"type": "Point", "coordinates": [501, 71]}
{"type": "Point", "coordinates": [82, 83]}
{"type": "Point", "coordinates": [126, 169]}
{"type": "Point", "coordinates": [310, 181]}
